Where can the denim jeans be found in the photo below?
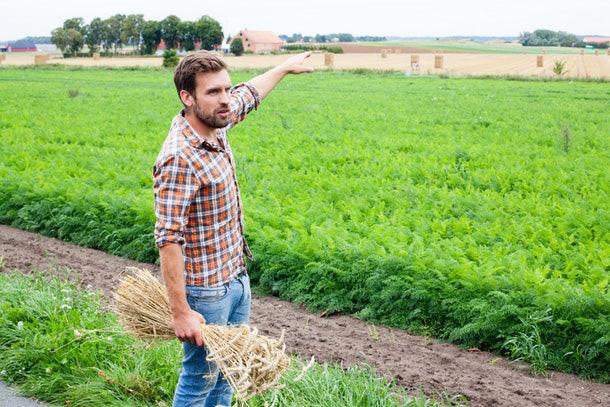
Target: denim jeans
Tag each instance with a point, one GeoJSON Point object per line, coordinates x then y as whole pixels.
{"type": "Point", "coordinates": [200, 382]}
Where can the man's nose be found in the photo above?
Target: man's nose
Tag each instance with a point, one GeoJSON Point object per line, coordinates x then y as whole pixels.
{"type": "Point", "coordinates": [224, 98]}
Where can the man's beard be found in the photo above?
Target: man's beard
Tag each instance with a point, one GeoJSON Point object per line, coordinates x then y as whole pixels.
{"type": "Point", "coordinates": [211, 120]}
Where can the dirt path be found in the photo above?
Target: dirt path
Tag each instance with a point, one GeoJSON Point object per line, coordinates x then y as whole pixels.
{"type": "Point", "coordinates": [416, 362]}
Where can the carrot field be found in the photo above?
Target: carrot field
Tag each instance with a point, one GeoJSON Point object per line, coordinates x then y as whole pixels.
{"type": "Point", "coordinates": [474, 210]}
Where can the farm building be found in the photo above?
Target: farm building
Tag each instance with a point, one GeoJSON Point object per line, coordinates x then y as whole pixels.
{"type": "Point", "coordinates": [595, 40]}
{"type": "Point", "coordinates": [260, 41]}
{"type": "Point", "coordinates": [21, 46]}
{"type": "Point", "coordinates": [47, 48]}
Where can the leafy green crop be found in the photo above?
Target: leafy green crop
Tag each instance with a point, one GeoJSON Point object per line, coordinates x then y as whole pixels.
{"type": "Point", "coordinates": [448, 207]}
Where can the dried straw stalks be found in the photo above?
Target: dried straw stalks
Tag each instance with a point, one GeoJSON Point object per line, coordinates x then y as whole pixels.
{"type": "Point", "coordinates": [250, 362]}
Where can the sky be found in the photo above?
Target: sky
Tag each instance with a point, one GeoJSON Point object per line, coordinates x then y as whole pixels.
{"type": "Point", "coordinates": [373, 17]}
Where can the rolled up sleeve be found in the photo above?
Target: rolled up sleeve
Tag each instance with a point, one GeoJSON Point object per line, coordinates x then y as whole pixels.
{"type": "Point", "coordinates": [244, 98]}
{"type": "Point", "coordinates": [175, 185]}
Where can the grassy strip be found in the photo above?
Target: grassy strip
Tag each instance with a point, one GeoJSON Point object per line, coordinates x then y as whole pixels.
{"type": "Point", "coordinates": [58, 345]}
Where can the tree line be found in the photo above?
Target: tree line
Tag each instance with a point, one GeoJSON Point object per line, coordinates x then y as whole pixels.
{"type": "Point", "coordinates": [133, 30]}
{"type": "Point", "coordinates": [550, 38]}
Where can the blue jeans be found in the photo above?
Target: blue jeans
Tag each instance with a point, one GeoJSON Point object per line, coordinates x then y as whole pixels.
{"type": "Point", "coordinates": [200, 382]}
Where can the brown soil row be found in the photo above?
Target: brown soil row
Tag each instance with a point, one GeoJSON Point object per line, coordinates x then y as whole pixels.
{"type": "Point", "coordinates": [415, 362]}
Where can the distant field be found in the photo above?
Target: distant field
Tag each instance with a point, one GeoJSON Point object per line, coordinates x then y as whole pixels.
{"type": "Point", "coordinates": [477, 47]}
{"type": "Point", "coordinates": [455, 64]}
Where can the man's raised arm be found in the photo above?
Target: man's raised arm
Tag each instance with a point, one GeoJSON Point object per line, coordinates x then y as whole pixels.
{"type": "Point", "coordinates": [246, 96]}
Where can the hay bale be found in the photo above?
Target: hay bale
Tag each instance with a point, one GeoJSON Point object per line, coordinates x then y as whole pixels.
{"type": "Point", "coordinates": [539, 61]}
{"type": "Point", "coordinates": [438, 61]}
{"type": "Point", "coordinates": [582, 52]}
{"type": "Point", "coordinates": [329, 60]}
{"type": "Point", "coordinates": [250, 362]}
{"type": "Point", "coordinates": [96, 56]}
{"type": "Point", "coordinates": [384, 53]}
{"type": "Point", "coordinates": [596, 52]}
{"type": "Point", "coordinates": [415, 63]}
{"type": "Point", "coordinates": [2, 57]}
{"type": "Point", "coordinates": [40, 59]}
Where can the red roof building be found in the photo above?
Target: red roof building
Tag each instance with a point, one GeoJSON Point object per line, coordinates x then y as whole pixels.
{"type": "Point", "coordinates": [594, 40]}
{"type": "Point", "coordinates": [259, 41]}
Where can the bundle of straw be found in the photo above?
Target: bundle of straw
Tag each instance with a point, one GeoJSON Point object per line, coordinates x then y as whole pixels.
{"type": "Point", "coordinates": [250, 362]}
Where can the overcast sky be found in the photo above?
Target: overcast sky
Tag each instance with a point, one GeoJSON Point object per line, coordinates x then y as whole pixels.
{"type": "Point", "coordinates": [372, 17]}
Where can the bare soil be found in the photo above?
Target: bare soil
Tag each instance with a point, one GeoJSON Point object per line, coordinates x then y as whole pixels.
{"type": "Point", "coordinates": [416, 362]}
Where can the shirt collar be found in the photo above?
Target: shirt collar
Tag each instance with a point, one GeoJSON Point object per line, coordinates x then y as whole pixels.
{"type": "Point", "coordinates": [192, 137]}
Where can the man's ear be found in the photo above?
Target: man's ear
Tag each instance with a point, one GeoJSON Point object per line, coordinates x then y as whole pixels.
{"type": "Point", "coordinates": [186, 98]}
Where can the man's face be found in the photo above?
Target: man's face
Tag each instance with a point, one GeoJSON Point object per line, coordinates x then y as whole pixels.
{"type": "Point", "coordinates": [211, 98]}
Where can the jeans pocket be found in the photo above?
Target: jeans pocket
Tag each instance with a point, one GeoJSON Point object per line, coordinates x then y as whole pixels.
{"type": "Point", "coordinates": [206, 294]}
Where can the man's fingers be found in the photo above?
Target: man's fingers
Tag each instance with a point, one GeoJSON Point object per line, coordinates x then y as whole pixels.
{"type": "Point", "coordinates": [199, 339]}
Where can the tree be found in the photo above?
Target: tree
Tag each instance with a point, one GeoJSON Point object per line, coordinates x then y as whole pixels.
{"type": "Point", "coordinates": [170, 58]}
{"type": "Point", "coordinates": [94, 34]}
{"type": "Point", "coordinates": [237, 47]}
{"type": "Point", "coordinates": [151, 37]}
{"type": "Point", "coordinates": [547, 38]}
{"type": "Point", "coordinates": [296, 37]}
{"type": "Point", "coordinates": [170, 31]}
{"type": "Point", "coordinates": [209, 32]}
{"type": "Point", "coordinates": [321, 38]}
{"type": "Point", "coordinates": [68, 40]}
{"type": "Point", "coordinates": [114, 28]}
{"type": "Point", "coordinates": [76, 23]}
{"type": "Point", "coordinates": [188, 35]}
{"type": "Point", "coordinates": [59, 38]}
{"type": "Point", "coordinates": [131, 32]}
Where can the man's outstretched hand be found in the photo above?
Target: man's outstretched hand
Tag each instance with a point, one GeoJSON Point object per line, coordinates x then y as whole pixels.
{"type": "Point", "coordinates": [296, 64]}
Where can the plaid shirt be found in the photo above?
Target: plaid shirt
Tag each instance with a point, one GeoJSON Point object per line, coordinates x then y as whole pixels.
{"type": "Point", "coordinates": [197, 200]}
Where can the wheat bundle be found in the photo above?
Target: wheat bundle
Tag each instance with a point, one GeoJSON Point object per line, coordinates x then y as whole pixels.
{"type": "Point", "coordinates": [250, 362]}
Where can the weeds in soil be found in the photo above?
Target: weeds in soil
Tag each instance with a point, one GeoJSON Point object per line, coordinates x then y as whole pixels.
{"type": "Point", "coordinates": [528, 345]}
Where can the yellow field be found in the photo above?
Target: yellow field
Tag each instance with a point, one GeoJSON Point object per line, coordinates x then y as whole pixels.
{"type": "Point", "coordinates": [578, 66]}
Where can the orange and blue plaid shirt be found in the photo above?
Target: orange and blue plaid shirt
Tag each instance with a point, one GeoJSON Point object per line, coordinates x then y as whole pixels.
{"type": "Point", "coordinates": [197, 199]}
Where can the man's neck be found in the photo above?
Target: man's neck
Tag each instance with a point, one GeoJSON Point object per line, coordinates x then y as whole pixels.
{"type": "Point", "coordinates": [205, 132]}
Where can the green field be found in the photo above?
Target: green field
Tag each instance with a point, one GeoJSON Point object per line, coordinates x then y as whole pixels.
{"type": "Point", "coordinates": [495, 47]}
{"type": "Point", "coordinates": [472, 210]}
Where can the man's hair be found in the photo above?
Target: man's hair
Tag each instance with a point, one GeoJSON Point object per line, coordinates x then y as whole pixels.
{"type": "Point", "coordinates": [186, 72]}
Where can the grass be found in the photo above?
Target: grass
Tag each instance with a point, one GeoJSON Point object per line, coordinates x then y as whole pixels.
{"type": "Point", "coordinates": [449, 207]}
{"type": "Point", "coordinates": [57, 344]}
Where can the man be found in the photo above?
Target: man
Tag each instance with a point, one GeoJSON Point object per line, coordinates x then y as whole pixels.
{"type": "Point", "coordinates": [199, 227]}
